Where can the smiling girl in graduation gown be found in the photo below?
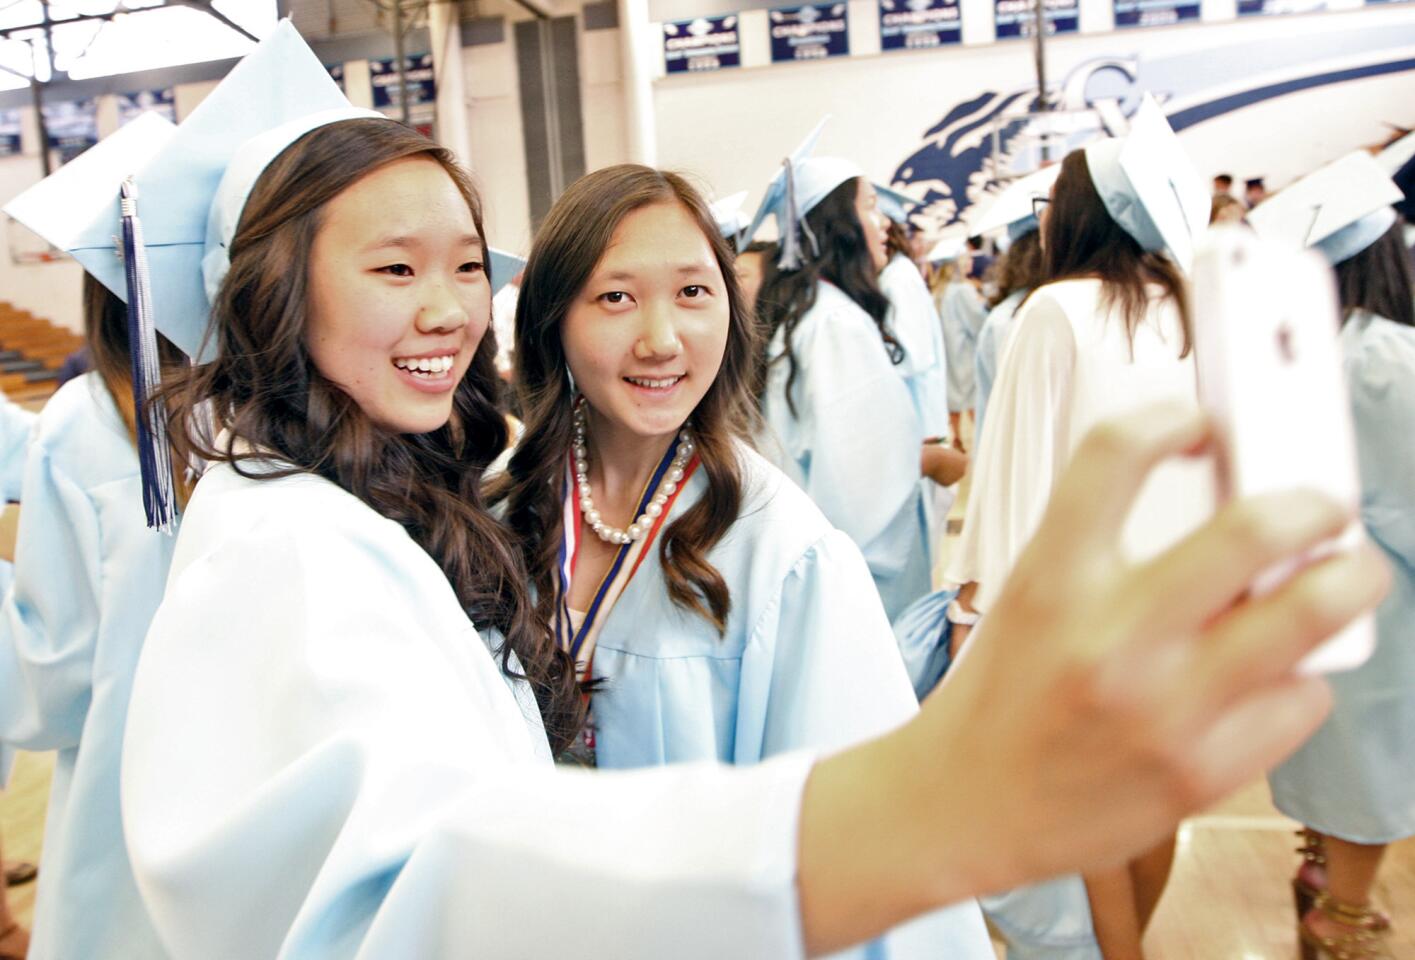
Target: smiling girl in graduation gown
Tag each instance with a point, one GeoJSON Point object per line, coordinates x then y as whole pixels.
{"type": "Point", "coordinates": [717, 612]}
{"type": "Point", "coordinates": [88, 579]}
{"type": "Point", "coordinates": [840, 418]}
{"type": "Point", "coordinates": [340, 736]}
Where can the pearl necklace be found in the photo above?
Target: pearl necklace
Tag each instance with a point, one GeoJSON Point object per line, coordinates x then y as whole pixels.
{"type": "Point", "coordinates": [666, 487]}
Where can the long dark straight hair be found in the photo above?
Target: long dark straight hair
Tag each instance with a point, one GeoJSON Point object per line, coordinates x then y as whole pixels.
{"type": "Point", "coordinates": [268, 392]}
{"type": "Point", "coordinates": [569, 245]}
{"type": "Point", "coordinates": [1082, 240]}
{"type": "Point", "coordinates": [843, 259]}
{"type": "Point", "coordinates": [1379, 279]}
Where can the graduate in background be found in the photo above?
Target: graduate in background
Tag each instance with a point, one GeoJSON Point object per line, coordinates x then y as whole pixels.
{"type": "Point", "coordinates": [1353, 783]}
{"type": "Point", "coordinates": [89, 575]}
{"type": "Point", "coordinates": [961, 310]}
{"type": "Point", "coordinates": [717, 612]}
{"type": "Point", "coordinates": [1108, 333]}
{"type": "Point", "coordinates": [840, 419]}
{"type": "Point", "coordinates": [914, 319]}
{"type": "Point", "coordinates": [340, 732]}
{"type": "Point", "coordinates": [1023, 269]}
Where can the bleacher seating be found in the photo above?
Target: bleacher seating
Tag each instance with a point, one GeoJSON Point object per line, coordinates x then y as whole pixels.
{"type": "Point", "coordinates": [31, 352]}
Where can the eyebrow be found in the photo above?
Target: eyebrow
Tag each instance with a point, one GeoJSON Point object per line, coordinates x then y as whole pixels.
{"type": "Point", "coordinates": [405, 241]}
{"type": "Point", "coordinates": [682, 270]}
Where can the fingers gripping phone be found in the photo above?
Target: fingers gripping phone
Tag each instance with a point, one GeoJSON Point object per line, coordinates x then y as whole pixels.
{"type": "Point", "coordinates": [1268, 355]}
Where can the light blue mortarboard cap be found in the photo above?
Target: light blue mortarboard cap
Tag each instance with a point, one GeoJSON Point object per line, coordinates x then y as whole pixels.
{"type": "Point", "coordinates": [775, 196]}
{"type": "Point", "coordinates": [893, 204]}
{"type": "Point", "coordinates": [1011, 207]}
{"type": "Point", "coordinates": [1339, 209]}
{"type": "Point", "coordinates": [191, 195]}
{"type": "Point", "coordinates": [1150, 187]}
{"type": "Point", "coordinates": [730, 216]}
{"type": "Point", "coordinates": [75, 208]}
{"type": "Point", "coordinates": [504, 267]}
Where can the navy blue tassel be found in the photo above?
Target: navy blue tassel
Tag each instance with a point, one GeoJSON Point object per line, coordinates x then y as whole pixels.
{"type": "Point", "coordinates": [154, 453]}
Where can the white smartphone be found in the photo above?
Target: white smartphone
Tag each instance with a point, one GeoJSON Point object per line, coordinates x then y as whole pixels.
{"type": "Point", "coordinates": [1266, 326]}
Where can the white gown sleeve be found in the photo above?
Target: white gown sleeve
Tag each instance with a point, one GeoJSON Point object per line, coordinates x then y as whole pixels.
{"type": "Point", "coordinates": [1024, 451]}
{"type": "Point", "coordinates": [836, 679]}
{"type": "Point", "coordinates": [317, 765]}
{"type": "Point", "coordinates": [49, 617]}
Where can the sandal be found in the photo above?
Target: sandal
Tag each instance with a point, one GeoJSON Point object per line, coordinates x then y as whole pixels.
{"type": "Point", "coordinates": [1311, 879]}
{"type": "Point", "coordinates": [1364, 935]}
{"type": "Point", "coordinates": [18, 873]}
{"type": "Point", "coordinates": [14, 943]}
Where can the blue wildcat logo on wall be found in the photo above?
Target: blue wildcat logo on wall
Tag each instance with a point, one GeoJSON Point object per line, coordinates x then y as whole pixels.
{"type": "Point", "coordinates": [997, 135]}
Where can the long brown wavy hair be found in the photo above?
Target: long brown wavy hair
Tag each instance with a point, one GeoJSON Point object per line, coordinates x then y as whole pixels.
{"type": "Point", "coordinates": [1081, 239]}
{"type": "Point", "coordinates": [574, 236]}
{"type": "Point", "coordinates": [269, 393]}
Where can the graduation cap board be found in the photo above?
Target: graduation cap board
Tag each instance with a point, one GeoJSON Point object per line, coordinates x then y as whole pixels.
{"type": "Point", "coordinates": [893, 204]}
{"type": "Point", "coordinates": [65, 206]}
{"type": "Point", "coordinates": [1011, 208]}
{"type": "Point", "coordinates": [77, 210]}
{"type": "Point", "coordinates": [504, 267]}
{"type": "Point", "coordinates": [730, 216]}
{"type": "Point", "coordinates": [776, 190]}
{"type": "Point", "coordinates": [1340, 209]}
{"type": "Point", "coordinates": [1149, 186]}
{"type": "Point", "coordinates": [179, 211]}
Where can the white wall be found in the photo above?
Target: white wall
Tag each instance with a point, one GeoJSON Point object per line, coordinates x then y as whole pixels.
{"type": "Point", "coordinates": [733, 127]}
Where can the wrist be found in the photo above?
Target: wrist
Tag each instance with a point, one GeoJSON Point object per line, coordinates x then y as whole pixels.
{"type": "Point", "coordinates": [959, 615]}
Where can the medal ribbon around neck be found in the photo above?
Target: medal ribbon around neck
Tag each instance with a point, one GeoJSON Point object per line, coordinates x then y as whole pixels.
{"type": "Point", "coordinates": [580, 643]}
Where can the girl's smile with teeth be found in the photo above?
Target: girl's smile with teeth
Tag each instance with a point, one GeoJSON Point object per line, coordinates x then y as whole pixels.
{"type": "Point", "coordinates": [660, 383]}
{"type": "Point", "coordinates": [429, 366]}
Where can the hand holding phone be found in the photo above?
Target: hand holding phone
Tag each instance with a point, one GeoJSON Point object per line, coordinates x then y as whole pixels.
{"type": "Point", "coordinates": [1266, 345]}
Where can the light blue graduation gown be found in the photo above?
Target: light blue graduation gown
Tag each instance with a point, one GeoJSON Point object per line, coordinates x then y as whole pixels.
{"type": "Point", "coordinates": [913, 318]}
{"type": "Point", "coordinates": [15, 425]}
{"type": "Point", "coordinates": [88, 576]}
{"type": "Point", "coordinates": [962, 311]}
{"type": "Point", "coordinates": [1355, 778]}
{"type": "Point", "coordinates": [807, 661]}
{"type": "Point", "coordinates": [325, 760]}
{"type": "Point", "coordinates": [991, 339]}
{"type": "Point", "coordinates": [854, 443]}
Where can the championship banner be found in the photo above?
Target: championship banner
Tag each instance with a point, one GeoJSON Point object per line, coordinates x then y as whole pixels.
{"type": "Point", "coordinates": [133, 105]}
{"type": "Point", "coordinates": [72, 126]}
{"type": "Point", "coordinates": [917, 24]}
{"type": "Point", "coordinates": [707, 43]}
{"type": "Point", "coordinates": [9, 133]}
{"type": "Point", "coordinates": [422, 89]}
{"type": "Point", "coordinates": [1257, 8]}
{"type": "Point", "coordinates": [1014, 18]}
{"type": "Point", "coordinates": [1154, 13]}
{"type": "Point", "coordinates": [811, 32]}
